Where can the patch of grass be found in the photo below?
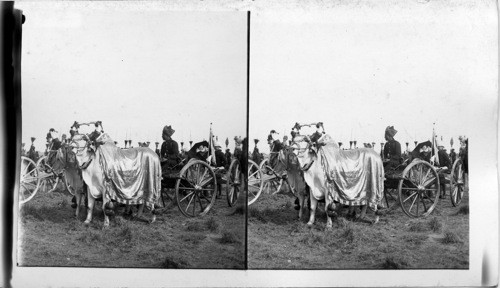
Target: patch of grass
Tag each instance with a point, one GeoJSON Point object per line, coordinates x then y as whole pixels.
{"type": "Point", "coordinates": [392, 263]}
{"type": "Point", "coordinates": [169, 263]}
{"type": "Point", "coordinates": [464, 210]}
{"type": "Point", "coordinates": [229, 237]}
{"type": "Point", "coordinates": [417, 227]}
{"type": "Point", "coordinates": [435, 225]}
{"type": "Point", "coordinates": [212, 224]}
{"type": "Point", "coordinates": [239, 210]}
{"type": "Point", "coordinates": [194, 226]}
{"type": "Point", "coordinates": [90, 237]}
{"type": "Point", "coordinates": [347, 235]}
{"type": "Point", "coordinates": [268, 215]}
{"type": "Point", "coordinates": [193, 238]}
{"type": "Point", "coordinates": [64, 203]}
{"type": "Point", "coordinates": [125, 233]}
{"type": "Point", "coordinates": [415, 239]}
{"type": "Point", "coordinates": [450, 237]}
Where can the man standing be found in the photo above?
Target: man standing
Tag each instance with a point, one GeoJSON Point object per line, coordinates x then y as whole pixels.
{"type": "Point", "coordinates": [453, 155]}
{"type": "Point", "coordinates": [392, 149]}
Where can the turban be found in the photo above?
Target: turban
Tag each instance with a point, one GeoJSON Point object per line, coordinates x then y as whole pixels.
{"type": "Point", "coordinates": [390, 131]}
{"type": "Point", "coordinates": [168, 131]}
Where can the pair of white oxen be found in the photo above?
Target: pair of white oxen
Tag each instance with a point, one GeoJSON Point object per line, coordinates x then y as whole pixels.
{"type": "Point", "coordinates": [349, 177]}
{"type": "Point", "coordinates": [128, 176]}
{"type": "Point", "coordinates": [133, 176]}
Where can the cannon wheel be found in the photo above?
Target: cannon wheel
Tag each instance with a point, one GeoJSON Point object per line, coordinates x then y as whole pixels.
{"type": "Point", "coordinates": [196, 188]}
{"type": "Point", "coordinates": [419, 189]}
{"type": "Point", "coordinates": [48, 179]}
{"type": "Point", "coordinates": [234, 182]}
{"type": "Point", "coordinates": [457, 181]}
{"type": "Point", "coordinates": [70, 188]}
{"type": "Point", "coordinates": [255, 182]}
{"type": "Point", "coordinates": [272, 183]}
{"type": "Point", "coordinates": [29, 180]}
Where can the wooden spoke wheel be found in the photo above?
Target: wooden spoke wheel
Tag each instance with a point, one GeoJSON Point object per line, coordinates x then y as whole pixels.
{"type": "Point", "coordinates": [29, 180]}
{"type": "Point", "coordinates": [255, 182]}
{"type": "Point", "coordinates": [234, 182]}
{"type": "Point", "coordinates": [46, 174]}
{"type": "Point", "coordinates": [419, 189]}
{"type": "Point", "coordinates": [69, 187]}
{"type": "Point", "coordinates": [272, 183]}
{"type": "Point", "coordinates": [196, 188]}
{"type": "Point", "coordinates": [457, 182]}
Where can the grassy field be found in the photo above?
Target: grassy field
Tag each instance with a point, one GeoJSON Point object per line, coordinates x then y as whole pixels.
{"type": "Point", "coordinates": [49, 235]}
{"type": "Point", "coordinates": [277, 240]}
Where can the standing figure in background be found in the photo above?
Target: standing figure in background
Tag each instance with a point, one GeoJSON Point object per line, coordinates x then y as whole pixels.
{"type": "Point", "coordinates": [453, 155]}
{"type": "Point", "coordinates": [169, 153]}
{"type": "Point", "coordinates": [228, 155]}
{"type": "Point", "coordinates": [220, 158]}
{"type": "Point", "coordinates": [392, 149]}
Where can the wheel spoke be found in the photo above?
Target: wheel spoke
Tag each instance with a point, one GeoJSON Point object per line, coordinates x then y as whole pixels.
{"type": "Point", "coordinates": [413, 202]}
{"type": "Point", "coordinates": [410, 196]}
{"type": "Point", "coordinates": [185, 197]}
{"type": "Point", "coordinates": [199, 201]}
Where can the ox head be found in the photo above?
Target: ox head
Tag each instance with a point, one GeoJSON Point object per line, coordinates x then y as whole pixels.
{"type": "Point", "coordinates": [305, 150]}
{"type": "Point", "coordinates": [83, 148]}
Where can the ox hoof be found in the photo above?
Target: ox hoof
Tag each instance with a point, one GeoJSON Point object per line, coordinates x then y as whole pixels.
{"type": "Point", "coordinates": [310, 224]}
{"type": "Point", "coordinates": [87, 222]}
{"type": "Point", "coordinates": [377, 218]}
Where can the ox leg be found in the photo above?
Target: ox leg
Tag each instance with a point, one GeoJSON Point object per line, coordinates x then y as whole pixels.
{"type": "Point", "coordinates": [105, 200]}
{"type": "Point", "coordinates": [79, 198]}
{"type": "Point", "coordinates": [329, 223]}
{"type": "Point", "coordinates": [314, 203]}
{"type": "Point", "coordinates": [301, 205]}
{"type": "Point", "coordinates": [90, 208]}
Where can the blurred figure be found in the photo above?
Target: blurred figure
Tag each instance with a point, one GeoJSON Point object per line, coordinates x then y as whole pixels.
{"type": "Point", "coordinates": [453, 155]}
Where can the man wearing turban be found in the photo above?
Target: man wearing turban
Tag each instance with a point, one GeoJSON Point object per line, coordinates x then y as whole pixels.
{"type": "Point", "coordinates": [169, 153]}
{"type": "Point", "coordinates": [392, 149]}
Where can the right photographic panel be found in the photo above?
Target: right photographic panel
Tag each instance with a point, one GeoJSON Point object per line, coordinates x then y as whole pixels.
{"type": "Point", "coordinates": [359, 129]}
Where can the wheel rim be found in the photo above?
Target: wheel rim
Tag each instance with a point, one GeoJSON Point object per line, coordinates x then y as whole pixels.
{"type": "Point", "coordinates": [195, 189]}
{"type": "Point", "coordinates": [69, 187]}
{"type": "Point", "coordinates": [46, 175]}
{"type": "Point", "coordinates": [29, 180]}
{"type": "Point", "coordinates": [233, 182]}
{"type": "Point", "coordinates": [457, 183]}
{"type": "Point", "coordinates": [255, 182]}
{"type": "Point", "coordinates": [419, 189]}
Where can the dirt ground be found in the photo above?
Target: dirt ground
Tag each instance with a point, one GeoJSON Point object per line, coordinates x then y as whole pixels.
{"type": "Point", "coordinates": [277, 240]}
{"type": "Point", "coordinates": [49, 235]}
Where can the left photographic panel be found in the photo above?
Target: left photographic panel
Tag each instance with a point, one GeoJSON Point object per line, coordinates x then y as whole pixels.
{"type": "Point", "coordinates": [133, 121]}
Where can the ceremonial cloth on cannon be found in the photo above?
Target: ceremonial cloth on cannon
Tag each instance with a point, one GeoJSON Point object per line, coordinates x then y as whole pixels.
{"type": "Point", "coordinates": [354, 177]}
{"type": "Point", "coordinates": [132, 176]}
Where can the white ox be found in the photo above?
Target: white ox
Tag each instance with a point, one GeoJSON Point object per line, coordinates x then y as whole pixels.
{"type": "Point", "coordinates": [353, 177]}
{"type": "Point", "coordinates": [130, 176]}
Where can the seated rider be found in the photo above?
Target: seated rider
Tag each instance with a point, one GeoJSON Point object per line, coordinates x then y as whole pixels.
{"type": "Point", "coordinates": [220, 158]}
{"type": "Point", "coordinates": [392, 150]}
{"type": "Point", "coordinates": [53, 145]}
{"type": "Point", "coordinates": [169, 153]}
{"type": "Point", "coordinates": [423, 151]}
{"type": "Point", "coordinates": [275, 146]}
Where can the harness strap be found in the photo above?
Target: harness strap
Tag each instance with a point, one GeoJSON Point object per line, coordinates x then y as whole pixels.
{"type": "Point", "coordinates": [85, 165]}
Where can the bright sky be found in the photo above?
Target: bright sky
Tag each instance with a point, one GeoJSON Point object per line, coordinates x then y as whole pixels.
{"type": "Point", "coordinates": [361, 70]}
{"type": "Point", "coordinates": [136, 68]}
